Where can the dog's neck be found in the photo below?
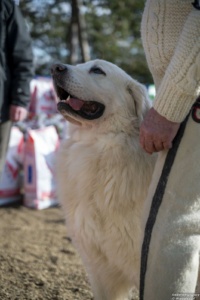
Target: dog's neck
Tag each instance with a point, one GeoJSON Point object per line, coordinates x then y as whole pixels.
{"type": "Point", "coordinates": [109, 128]}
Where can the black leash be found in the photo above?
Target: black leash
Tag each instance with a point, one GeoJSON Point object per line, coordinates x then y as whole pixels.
{"type": "Point", "coordinates": [196, 4]}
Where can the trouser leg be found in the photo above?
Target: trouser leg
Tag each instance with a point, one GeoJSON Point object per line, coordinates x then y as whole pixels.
{"type": "Point", "coordinates": [5, 128]}
{"type": "Point", "coordinates": [171, 246]}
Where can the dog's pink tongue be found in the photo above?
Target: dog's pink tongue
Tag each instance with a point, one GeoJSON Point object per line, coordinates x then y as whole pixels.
{"type": "Point", "coordinates": [76, 104]}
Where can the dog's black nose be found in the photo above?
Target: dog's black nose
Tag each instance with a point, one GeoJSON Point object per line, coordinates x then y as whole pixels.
{"type": "Point", "coordinates": [58, 68]}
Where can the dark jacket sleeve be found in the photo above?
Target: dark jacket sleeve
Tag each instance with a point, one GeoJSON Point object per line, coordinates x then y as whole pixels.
{"type": "Point", "coordinates": [20, 58]}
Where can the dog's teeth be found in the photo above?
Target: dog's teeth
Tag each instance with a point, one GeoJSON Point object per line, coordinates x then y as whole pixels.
{"type": "Point", "coordinates": [68, 98]}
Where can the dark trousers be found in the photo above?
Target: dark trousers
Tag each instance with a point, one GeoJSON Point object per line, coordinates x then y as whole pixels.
{"type": "Point", "coordinates": [5, 129]}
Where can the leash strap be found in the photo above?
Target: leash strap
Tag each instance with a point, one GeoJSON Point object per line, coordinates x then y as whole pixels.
{"type": "Point", "coordinates": [156, 203]}
{"type": "Point", "coordinates": [196, 4]}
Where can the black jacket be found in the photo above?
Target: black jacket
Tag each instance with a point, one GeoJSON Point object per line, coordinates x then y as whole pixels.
{"type": "Point", "coordinates": [16, 68]}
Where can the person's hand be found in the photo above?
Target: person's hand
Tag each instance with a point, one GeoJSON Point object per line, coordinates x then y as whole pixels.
{"type": "Point", "coordinates": [156, 132]}
{"type": "Point", "coordinates": [17, 113]}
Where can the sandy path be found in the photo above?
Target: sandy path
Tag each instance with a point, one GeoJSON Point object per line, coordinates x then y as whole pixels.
{"type": "Point", "coordinates": [37, 260]}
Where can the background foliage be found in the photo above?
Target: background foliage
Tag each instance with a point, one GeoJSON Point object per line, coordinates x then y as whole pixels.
{"type": "Point", "coordinates": [111, 27]}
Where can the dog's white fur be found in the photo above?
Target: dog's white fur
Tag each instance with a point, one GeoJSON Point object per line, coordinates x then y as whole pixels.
{"type": "Point", "coordinates": [103, 177]}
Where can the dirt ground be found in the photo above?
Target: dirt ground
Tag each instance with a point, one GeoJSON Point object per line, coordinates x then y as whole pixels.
{"type": "Point", "coordinates": [37, 259]}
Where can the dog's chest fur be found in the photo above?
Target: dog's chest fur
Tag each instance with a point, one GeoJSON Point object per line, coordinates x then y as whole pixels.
{"type": "Point", "coordinates": [102, 182]}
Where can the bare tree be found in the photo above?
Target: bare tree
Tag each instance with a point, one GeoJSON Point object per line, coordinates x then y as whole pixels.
{"type": "Point", "coordinates": [77, 37]}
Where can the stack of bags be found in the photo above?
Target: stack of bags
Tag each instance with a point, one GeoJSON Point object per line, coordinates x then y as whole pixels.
{"type": "Point", "coordinates": [29, 171]}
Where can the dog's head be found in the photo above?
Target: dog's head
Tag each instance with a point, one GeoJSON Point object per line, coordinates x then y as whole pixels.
{"type": "Point", "coordinates": [98, 91]}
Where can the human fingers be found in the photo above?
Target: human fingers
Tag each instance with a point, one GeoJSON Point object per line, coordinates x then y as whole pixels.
{"type": "Point", "coordinates": [13, 114]}
{"type": "Point", "coordinates": [158, 145]}
{"type": "Point", "coordinates": [167, 145]}
{"type": "Point", "coordinates": [145, 140]}
{"type": "Point", "coordinates": [17, 113]}
{"type": "Point", "coordinates": [22, 114]}
{"type": "Point", "coordinates": [149, 146]}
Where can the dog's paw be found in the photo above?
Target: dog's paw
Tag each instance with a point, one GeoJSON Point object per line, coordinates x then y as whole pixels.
{"type": "Point", "coordinates": [133, 294]}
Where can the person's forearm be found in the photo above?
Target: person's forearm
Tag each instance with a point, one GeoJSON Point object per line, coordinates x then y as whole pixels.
{"type": "Point", "coordinates": [181, 84]}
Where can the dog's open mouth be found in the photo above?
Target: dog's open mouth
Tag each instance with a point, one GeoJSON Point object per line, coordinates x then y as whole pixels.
{"type": "Point", "coordinates": [89, 110]}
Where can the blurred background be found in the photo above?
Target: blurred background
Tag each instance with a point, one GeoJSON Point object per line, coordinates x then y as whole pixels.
{"type": "Point", "coordinates": [74, 31]}
{"type": "Point", "coordinates": [37, 259]}
{"type": "Point", "coordinates": [67, 31]}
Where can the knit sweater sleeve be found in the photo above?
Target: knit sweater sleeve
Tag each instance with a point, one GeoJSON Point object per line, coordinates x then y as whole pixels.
{"type": "Point", "coordinates": [181, 84]}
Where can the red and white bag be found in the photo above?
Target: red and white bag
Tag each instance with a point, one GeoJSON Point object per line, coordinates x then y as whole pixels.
{"type": "Point", "coordinates": [10, 183]}
{"type": "Point", "coordinates": [39, 165]}
{"type": "Point", "coordinates": [43, 98]}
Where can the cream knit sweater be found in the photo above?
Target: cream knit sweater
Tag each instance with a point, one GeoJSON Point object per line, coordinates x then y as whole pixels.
{"type": "Point", "coordinates": [171, 39]}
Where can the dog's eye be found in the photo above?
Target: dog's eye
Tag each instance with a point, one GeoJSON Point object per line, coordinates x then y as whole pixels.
{"type": "Point", "coordinates": [97, 70]}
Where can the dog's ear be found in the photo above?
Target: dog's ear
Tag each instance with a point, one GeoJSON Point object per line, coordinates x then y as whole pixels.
{"type": "Point", "coordinates": [140, 97]}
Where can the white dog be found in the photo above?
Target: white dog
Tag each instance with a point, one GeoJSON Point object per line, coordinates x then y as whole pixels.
{"type": "Point", "coordinates": [103, 174]}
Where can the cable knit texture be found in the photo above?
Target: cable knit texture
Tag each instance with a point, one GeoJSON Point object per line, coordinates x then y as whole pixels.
{"type": "Point", "coordinates": [171, 39]}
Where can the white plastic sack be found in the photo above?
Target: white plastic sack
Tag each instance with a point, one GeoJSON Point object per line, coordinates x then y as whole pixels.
{"type": "Point", "coordinates": [43, 98]}
{"type": "Point", "coordinates": [10, 189]}
{"type": "Point", "coordinates": [39, 165]}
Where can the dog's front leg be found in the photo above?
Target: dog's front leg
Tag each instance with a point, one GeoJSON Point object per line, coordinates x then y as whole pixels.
{"type": "Point", "coordinates": [108, 285]}
{"type": "Point", "coordinates": [97, 288]}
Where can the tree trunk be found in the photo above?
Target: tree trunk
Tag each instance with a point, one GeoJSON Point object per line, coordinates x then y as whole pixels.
{"type": "Point", "coordinates": [73, 34]}
{"type": "Point", "coordinates": [83, 39]}
{"type": "Point", "coordinates": [78, 42]}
